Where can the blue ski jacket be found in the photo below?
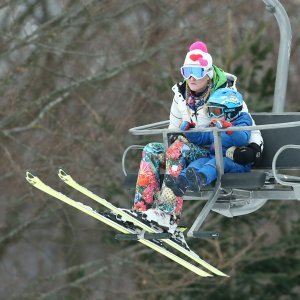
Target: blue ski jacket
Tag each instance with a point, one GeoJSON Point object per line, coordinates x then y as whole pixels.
{"type": "Point", "coordinates": [237, 138]}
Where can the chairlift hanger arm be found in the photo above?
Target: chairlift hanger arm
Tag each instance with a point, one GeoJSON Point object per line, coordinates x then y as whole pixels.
{"type": "Point", "coordinates": [276, 8]}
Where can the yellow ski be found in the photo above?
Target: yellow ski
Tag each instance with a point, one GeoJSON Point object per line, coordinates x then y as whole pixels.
{"type": "Point", "coordinates": [37, 183]}
{"type": "Point", "coordinates": [71, 182]}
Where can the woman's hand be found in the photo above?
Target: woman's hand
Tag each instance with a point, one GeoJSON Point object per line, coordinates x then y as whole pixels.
{"type": "Point", "coordinates": [185, 125]}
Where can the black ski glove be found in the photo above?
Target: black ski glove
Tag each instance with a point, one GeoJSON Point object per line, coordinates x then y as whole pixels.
{"type": "Point", "coordinates": [250, 154]}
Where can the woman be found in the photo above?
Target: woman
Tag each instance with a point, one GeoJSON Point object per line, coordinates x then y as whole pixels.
{"type": "Point", "coordinates": [201, 79]}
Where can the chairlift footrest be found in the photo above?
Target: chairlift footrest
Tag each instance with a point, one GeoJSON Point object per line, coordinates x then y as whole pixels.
{"type": "Point", "coordinates": [206, 234]}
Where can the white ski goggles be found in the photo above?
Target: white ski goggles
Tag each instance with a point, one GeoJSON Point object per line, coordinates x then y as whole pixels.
{"type": "Point", "coordinates": [196, 72]}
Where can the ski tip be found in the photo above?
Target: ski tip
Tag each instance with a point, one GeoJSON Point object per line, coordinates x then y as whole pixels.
{"type": "Point", "coordinates": [28, 174]}
{"type": "Point", "coordinates": [30, 178]}
{"type": "Point", "coordinates": [220, 273]}
{"type": "Point", "coordinates": [62, 174]}
{"type": "Point", "coordinates": [224, 275]}
{"type": "Point", "coordinates": [214, 270]}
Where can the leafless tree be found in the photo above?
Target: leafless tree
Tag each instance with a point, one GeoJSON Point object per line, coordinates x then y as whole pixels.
{"type": "Point", "coordinates": [75, 76]}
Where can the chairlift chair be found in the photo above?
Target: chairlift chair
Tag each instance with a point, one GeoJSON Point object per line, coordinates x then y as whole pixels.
{"type": "Point", "coordinates": [240, 194]}
{"type": "Point", "coordinates": [243, 193]}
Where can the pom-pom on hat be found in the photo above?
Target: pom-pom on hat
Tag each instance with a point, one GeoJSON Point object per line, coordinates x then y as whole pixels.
{"type": "Point", "coordinates": [199, 46]}
{"type": "Point", "coordinates": [198, 56]}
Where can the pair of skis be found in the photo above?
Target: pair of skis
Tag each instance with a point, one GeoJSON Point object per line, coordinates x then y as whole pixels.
{"type": "Point", "coordinates": [129, 224]}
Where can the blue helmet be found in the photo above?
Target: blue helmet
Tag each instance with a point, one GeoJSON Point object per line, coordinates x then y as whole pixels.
{"type": "Point", "coordinates": [225, 102]}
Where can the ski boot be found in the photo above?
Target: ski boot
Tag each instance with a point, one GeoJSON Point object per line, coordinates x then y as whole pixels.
{"type": "Point", "coordinates": [196, 180]}
{"type": "Point", "coordinates": [179, 238]}
{"type": "Point", "coordinates": [158, 218]}
{"type": "Point", "coordinates": [178, 184]}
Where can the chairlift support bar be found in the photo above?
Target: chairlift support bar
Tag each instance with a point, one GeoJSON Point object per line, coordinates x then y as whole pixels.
{"type": "Point", "coordinates": [275, 7]}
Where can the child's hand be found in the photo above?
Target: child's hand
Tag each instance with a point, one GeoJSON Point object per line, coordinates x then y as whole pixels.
{"type": "Point", "coordinates": [221, 125]}
{"type": "Point", "coordinates": [216, 123]}
{"type": "Point", "coordinates": [185, 125]}
{"type": "Point", "coordinates": [227, 124]}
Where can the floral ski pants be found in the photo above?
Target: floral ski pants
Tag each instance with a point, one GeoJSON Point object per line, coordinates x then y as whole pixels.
{"type": "Point", "coordinates": [154, 157]}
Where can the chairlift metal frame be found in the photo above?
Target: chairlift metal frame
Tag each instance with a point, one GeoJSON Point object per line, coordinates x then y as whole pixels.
{"type": "Point", "coordinates": [276, 186]}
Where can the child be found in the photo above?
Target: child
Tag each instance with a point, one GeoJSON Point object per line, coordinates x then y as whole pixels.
{"type": "Point", "coordinates": [224, 110]}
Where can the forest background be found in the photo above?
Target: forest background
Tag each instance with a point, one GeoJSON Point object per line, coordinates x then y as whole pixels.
{"type": "Point", "coordinates": [74, 77]}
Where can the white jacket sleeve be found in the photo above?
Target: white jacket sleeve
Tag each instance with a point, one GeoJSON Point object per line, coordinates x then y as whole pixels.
{"type": "Point", "coordinates": [175, 115]}
{"type": "Point", "coordinates": [255, 134]}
